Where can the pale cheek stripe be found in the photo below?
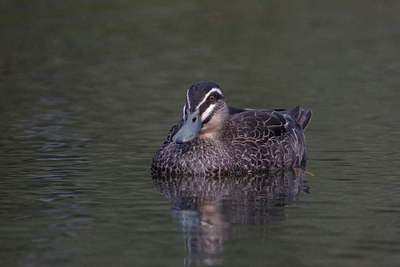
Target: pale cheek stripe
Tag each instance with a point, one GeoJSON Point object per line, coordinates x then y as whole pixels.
{"type": "Point", "coordinates": [207, 112]}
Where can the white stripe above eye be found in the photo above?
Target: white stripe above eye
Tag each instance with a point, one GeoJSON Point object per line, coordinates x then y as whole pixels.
{"type": "Point", "coordinates": [184, 111]}
{"type": "Point", "coordinates": [187, 98]}
{"type": "Point", "coordinates": [207, 95]}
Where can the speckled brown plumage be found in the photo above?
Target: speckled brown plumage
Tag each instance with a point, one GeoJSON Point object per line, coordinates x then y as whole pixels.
{"type": "Point", "coordinates": [251, 141]}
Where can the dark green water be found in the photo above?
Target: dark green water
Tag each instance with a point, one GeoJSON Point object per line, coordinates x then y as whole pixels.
{"type": "Point", "coordinates": [89, 90]}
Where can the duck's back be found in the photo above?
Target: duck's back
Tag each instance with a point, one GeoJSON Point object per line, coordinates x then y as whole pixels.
{"type": "Point", "coordinates": [268, 139]}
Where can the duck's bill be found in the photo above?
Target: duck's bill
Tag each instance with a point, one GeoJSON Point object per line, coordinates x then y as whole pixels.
{"type": "Point", "coordinates": [190, 128]}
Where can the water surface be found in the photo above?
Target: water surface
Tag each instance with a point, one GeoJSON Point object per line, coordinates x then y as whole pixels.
{"type": "Point", "coordinates": [90, 89]}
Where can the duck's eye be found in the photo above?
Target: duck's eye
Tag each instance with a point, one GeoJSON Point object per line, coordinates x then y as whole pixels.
{"type": "Point", "coordinates": [212, 99]}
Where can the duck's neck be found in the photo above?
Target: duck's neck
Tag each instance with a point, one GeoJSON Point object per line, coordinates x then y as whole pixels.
{"type": "Point", "coordinates": [215, 128]}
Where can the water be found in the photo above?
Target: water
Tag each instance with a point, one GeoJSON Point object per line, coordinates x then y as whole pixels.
{"type": "Point", "coordinates": [90, 89]}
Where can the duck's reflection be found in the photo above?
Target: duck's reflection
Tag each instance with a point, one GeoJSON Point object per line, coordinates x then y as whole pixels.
{"type": "Point", "coordinates": [208, 206]}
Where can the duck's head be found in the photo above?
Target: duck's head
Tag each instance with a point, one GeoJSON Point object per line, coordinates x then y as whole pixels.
{"type": "Point", "coordinates": [205, 113]}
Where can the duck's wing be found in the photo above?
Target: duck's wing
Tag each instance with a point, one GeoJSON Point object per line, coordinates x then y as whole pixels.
{"type": "Point", "coordinates": [267, 123]}
{"type": "Point", "coordinates": [235, 110]}
{"type": "Point", "coordinates": [302, 116]}
{"type": "Point", "coordinates": [258, 124]}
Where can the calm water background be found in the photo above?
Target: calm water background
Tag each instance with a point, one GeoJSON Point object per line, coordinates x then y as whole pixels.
{"type": "Point", "coordinates": [89, 90]}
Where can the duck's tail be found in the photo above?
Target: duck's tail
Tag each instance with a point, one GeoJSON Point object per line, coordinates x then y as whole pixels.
{"type": "Point", "coordinates": [302, 116]}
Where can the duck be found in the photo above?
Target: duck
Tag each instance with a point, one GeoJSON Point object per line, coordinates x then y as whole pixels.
{"type": "Point", "coordinates": [214, 139]}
